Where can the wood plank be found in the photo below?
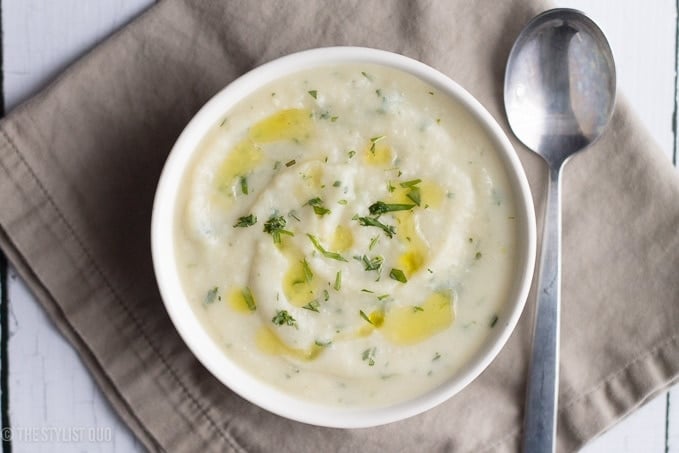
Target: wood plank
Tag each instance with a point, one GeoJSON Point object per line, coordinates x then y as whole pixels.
{"type": "Point", "coordinates": [48, 385]}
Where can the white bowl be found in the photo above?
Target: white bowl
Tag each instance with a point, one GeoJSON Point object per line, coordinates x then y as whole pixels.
{"type": "Point", "coordinates": [190, 327]}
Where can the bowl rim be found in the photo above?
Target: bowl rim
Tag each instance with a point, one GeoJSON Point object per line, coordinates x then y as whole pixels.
{"type": "Point", "coordinates": [199, 340]}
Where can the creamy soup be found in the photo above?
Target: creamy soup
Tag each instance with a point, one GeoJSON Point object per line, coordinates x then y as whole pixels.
{"type": "Point", "coordinates": [347, 235]}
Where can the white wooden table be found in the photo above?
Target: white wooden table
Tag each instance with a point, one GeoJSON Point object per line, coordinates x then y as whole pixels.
{"type": "Point", "coordinates": [48, 388]}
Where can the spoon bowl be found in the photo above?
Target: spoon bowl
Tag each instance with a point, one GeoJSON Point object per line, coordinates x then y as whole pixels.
{"type": "Point", "coordinates": [559, 95]}
{"type": "Point", "coordinates": [560, 84]}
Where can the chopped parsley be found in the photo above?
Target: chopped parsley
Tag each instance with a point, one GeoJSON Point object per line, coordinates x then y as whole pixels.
{"type": "Point", "coordinates": [414, 192]}
{"type": "Point", "coordinates": [370, 221]}
{"type": "Point", "coordinates": [245, 221]}
{"type": "Point", "coordinates": [313, 305]}
{"type": "Point", "coordinates": [493, 321]}
{"type": "Point", "coordinates": [367, 76]}
{"type": "Point", "coordinates": [351, 153]}
{"type": "Point", "coordinates": [244, 185]}
{"type": "Point", "coordinates": [212, 295]}
{"type": "Point", "coordinates": [337, 183]}
{"type": "Point", "coordinates": [284, 318]}
{"type": "Point", "coordinates": [275, 226]}
{"type": "Point", "coordinates": [313, 94]}
{"type": "Point", "coordinates": [398, 275]}
{"type": "Point", "coordinates": [373, 242]}
{"type": "Point", "coordinates": [365, 317]}
{"type": "Point", "coordinates": [317, 204]}
{"type": "Point", "coordinates": [290, 163]}
{"type": "Point", "coordinates": [324, 252]}
{"type": "Point", "coordinates": [342, 202]}
{"type": "Point", "coordinates": [249, 300]}
{"type": "Point", "coordinates": [369, 356]}
{"type": "Point", "coordinates": [334, 118]}
{"type": "Point", "coordinates": [338, 281]}
{"type": "Point", "coordinates": [293, 214]}
{"type": "Point", "coordinates": [417, 308]}
{"type": "Point", "coordinates": [373, 142]}
{"type": "Point", "coordinates": [436, 357]}
{"type": "Point", "coordinates": [374, 264]}
{"type": "Point", "coordinates": [381, 207]}
{"type": "Point", "coordinates": [326, 295]}
{"type": "Point", "coordinates": [308, 275]}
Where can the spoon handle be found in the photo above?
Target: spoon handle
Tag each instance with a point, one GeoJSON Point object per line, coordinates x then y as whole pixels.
{"type": "Point", "coordinates": [539, 424]}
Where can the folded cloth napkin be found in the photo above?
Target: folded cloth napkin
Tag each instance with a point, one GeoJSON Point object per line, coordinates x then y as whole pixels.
{"type": "Point", "coordinates": [79, 164]}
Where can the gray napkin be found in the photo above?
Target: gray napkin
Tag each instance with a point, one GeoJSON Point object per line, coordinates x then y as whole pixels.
{"type": "Point", "coordinates": [78, 169]}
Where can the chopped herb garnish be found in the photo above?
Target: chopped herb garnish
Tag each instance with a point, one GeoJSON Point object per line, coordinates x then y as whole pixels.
{"type": "Point", "coordinates": [436, 357]}
{"type": "Point", "coordinates": [212, 295]}
{"type": "Point", "coordinates": [333, 118]}
{"type": "Point", "coordinates": [351, 153]}
{"type": "Point", "coordinates": [324, 252]}
{"type": "Point", "coordinates": [381, 207]}
{"type": "Point", "coordinates": [430, 271]}
{"type": "Point", "coordinates": [365, 317]}
{"type": "Point", "coordinates": [493, 321]}
{"type": "Point", "coordinates": [369, 221]}
{"type": "Point", "coordinates": [275, 226]}
{"type": "Point", "coordinates": [342, 202]}
{"type": "Point", "coordinates": [366, 75]}
{"type": "Point", "coordinates": [326, 295]}
{"type": "Point", "coordinates": [308, 275]}
{"type": "Point", "coordinates": [284, 318]}
{"type": "Point", "coordinates": [337, 183]}
{"type": "Point", "coordinates": [417, 308]}
{"type": "Point", "coordinates": [293, 214]}
{"type": "Point", "coordinates": [390, 188]}
{"type": "Point", "coordinates": [249, 300]}
{"type": "Point", "coordinates": [430, 92]}
{"type": "Point", "coordinates": [313, 93]}
{"type": "Point", "coordinates": [398, 275]}
{"type": "Point", "coordinates": [245, 221]}
{"type": "Point", "coordinates": [478, 255]}
{"type": "Point", "coordinates": [383, 297]}
{"type": "Point", "coordinates": [223, 122]}
{"type": "Point", "coordinates": [369, 356]}
{"type": "Point", "coordinates": [374, 264]}
{"type": "Point", "coordinates": [317, 205]}
{"type": "Point", "coordinates": [338, 281]}
{"type": "Point", "coordinates": [290, 163]}
{"type": "Point", "coordinates": [244, 185]}
{"type": "Point", "coordinates": [373, 242]}
{"type": "Point", "coordinates": [410, 184]}
{"type": "Point", "coordinates": [414, 195]}
{"type": "Point", "coordinates": [313, 305]}
{"type": "Point", "coordinates": [373, 141]}
{"type": "Point", "coordinates": [323, 344]}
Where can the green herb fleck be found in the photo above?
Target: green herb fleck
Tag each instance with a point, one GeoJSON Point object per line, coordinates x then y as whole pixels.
{"type": "Point", "coordinates": [308, 275]}
{"type": "Point", "coordinates": [338, 281]}
{"type": "Point", "coordinates": [337, 183]}
{"type": "Point", "coordinates": [365, 317]}
{"type": "Point", "coordinates": [370, 221]}
{"type": "Point", "coordinates": [342, 202]}
{"type": "Point", "coordinates": [334, 118]}
{"type": "Point", "coordinates": [324, 252]}
{"type": "Point", "coordinates": [478, 255]}
{"type": "Point", "coordinates": [293, 214]}
{"type": "Point", "coordinates": [277, 165]}
{"type": "Point", "coordinates": [436, 357]}
{"type": "Point", "coordinates": [313, 93]}
{"type": "Point", "coordinates": [367, 76]}
{"type": "Point", "coordinates": [373, 242]}
{"type": "Point", "coordinates": [249, 300]}
{"type": "Point", "coordinates": [245, 221]}
{"type": "Point", "coordinates": [383, 297]}
{"type": "Point", "coordinates": [244, 185]}
{"type": "Point", "coordinates": [275, 226]}
{"type": "Point", "coordinates": [212, 295]}
{"type": "Point", "coordinates": [373, 142]}
{"type": "Point", "coordinates": [317, 204]}
{"type": "Point", "coordinates": [398, 275]}
{"type": "Point", "coordinates": [313, 305]}
{"type": "Point", "coordinates": [284, 318]}
{"type": "Point", "coordinates": [323, 344]}
{"type": "Point", "coordinates": [493, 321]}
{"type": "Point", "coordinates": [414, 195]}
{"type": "Point", "coordinates": [417, 308]}
{"type": "Point", "coordinates": [290, 163]}
{"type": "Point", "coordinates": [326, 295]}
{"type": "Point", "coordinates": [410, 184]}
{"type": "Point", "coordinates": [369, 356]}
{"type": "Point", "coordinates": [351, 153]}
{"type": "Point", "coordinates": [374, 264]}
{"type": "Point", "coordinates": [381, 207]}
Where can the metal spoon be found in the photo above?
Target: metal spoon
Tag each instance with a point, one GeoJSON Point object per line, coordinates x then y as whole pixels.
{"type": "Point", "coordinates": [559, 94]}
